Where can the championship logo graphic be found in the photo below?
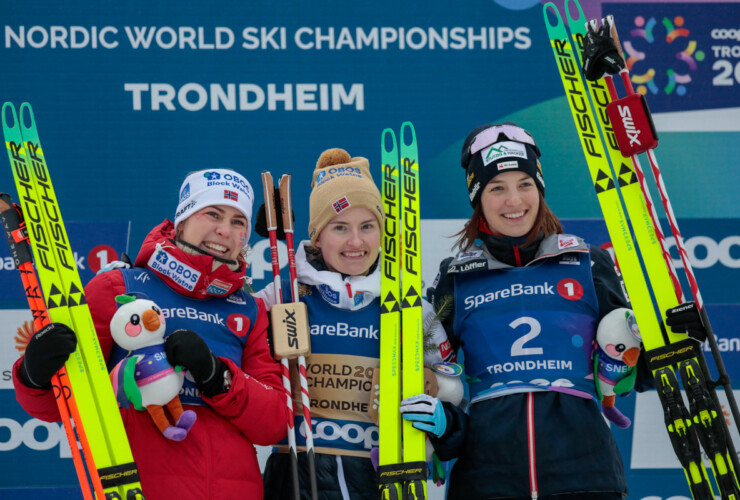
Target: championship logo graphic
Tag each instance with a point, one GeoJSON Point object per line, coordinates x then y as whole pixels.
{"type": "Point", "coordinates": [676, 48]}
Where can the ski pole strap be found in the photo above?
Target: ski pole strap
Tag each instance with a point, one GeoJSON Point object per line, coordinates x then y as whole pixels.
{"type": "Point", "coordinates": [15, 230]}
{"type": "Point", "coordinates": [672, 354]}
{"type": "Point", "coordinates": [408, 472]}
{"type": "Point", "coordinates": [119, 475]}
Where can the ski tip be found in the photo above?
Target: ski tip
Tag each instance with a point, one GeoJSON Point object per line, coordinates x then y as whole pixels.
{"type": "Point", "coordinates": [408, 132]}
{"type": "Point", "coordinates": [388, 141]}
{"type": "Point", "coordinates": [552, 15]}
{"type": "Point", "coordinates": [8, 108]}
{"type": "Point", "coordinates": [25, 114]}
{"type": "Point", "coordinates": [569, 6]}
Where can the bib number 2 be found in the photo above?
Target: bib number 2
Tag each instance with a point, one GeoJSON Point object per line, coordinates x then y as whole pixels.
{"type": "Point", "coordinates": [534, 329]}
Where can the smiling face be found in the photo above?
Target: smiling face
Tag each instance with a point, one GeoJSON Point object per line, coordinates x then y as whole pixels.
{"type": "Point", "coordinates": [350, 242]}
{"type": "Point", "coordinates": [218, 230]}
{"type": "Point", "coordinates": [510, 203]}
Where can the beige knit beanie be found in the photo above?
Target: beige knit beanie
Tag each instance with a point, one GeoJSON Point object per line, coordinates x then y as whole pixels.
{"type": "Point", "coordinates": [341, 182]}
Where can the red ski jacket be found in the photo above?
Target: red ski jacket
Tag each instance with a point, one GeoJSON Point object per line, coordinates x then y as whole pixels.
{"type": "Point", "coordinates": [217, 460]}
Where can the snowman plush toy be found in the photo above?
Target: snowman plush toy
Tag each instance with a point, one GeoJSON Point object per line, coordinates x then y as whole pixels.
{"type": "Point", "coordinates": [144, 378]}
{"type": "Point", "coordinates": [615, 356]}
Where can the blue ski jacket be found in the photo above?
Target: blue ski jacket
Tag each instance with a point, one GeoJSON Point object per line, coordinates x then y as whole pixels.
{"type": "Point", "coordinates": [532, 428]}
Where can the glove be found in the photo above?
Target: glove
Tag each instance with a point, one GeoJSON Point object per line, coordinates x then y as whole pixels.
{"type": "Point", "coordinates": [124, 263]}
{"type": "Point", "coordinates": [186, 348]}
{"type": "Point", "coordinates": [425, 413]}
{"type": "Point", "coordinates": [260, 222]}
{"type": "Point", "coordinates": [686, 318]}
{"type": "Point", "coordinates": [600, 54]}
{"type": "Point", "coordinates": [46, 353]}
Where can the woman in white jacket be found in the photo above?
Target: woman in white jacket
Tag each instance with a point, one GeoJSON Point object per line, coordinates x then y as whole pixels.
{"type": "Point", "coordinates": [339, 281]}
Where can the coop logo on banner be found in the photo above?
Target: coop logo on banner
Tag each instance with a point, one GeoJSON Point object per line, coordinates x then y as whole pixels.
{"type": "Point", "coordinates": [705, 251]}
{"type": "Point", "coordinates": [33, 434]}
{"type": "Point", "coordinates": [712, 246]}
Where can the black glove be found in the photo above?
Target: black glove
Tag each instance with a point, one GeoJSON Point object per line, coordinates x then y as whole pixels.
{"type": "Point", "coordinates": [686, 318]}
{"type": "Point", "coordinates": [46, 353]}
{"type": "Point", "coordinates": [260, 222]}
{"type": "Point", "coordinates": [600, 54]}
{"type": "Point", "coordinates": [186, 348]}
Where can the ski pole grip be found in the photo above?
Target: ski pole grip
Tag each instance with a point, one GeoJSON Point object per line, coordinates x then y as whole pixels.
{"type": "Point", "coordinates": [16, 235]}
{"type": "Point", "coordinates": [286, 207]}
{"type": "Point", "coordinates": [268, 189]}
{"type": "Point", "coordinates": [290, 330]}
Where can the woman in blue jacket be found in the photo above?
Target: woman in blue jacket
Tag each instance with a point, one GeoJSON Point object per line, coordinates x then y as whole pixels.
{"type": "Point", "coordinates": [526, 303]}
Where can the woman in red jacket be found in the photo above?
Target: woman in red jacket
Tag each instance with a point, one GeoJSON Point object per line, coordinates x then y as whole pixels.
{"type": "Point", "coordinates": [194, 269]}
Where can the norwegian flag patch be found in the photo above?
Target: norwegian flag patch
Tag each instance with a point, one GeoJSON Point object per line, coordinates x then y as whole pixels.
{"type": "Point", "coordinates": [231, 195]}
{"type": "Point", "coordinates": [341, 204]}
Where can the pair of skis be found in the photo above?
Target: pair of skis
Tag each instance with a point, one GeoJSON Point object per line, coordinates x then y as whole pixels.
{"type": "Point", "coordinates": [82, 388]}
{"type": "Point", "coordinates": [295, 341]}
{"type": "Point", "coordinates": [402, 470]}
{"type": "Point", "coordinates": [603, 121]}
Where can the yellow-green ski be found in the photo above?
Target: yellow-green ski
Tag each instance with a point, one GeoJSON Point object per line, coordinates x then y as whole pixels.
{"type": "Point", "coordinates": [588, 106]}
{"type": "Point", "coordinates": [389, 417]}
{"type": "Point", "coordinates": [65, 301]}
{"type": "Point", "coordinates": [402, 470]}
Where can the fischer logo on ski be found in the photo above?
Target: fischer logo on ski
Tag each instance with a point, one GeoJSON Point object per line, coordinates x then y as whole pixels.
{"type": "Point", "coordinates": [402, 469]}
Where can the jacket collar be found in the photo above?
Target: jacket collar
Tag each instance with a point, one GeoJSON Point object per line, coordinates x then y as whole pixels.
{"type": "Point", "coordinates": [188, 274]}
{"type": "Point", "coordinates": [354, 292]}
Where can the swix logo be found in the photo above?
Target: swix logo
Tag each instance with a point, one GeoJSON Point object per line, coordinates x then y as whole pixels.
{"type": "Point", "coordinates": [629, 125]}
{"type": "Point", "coordinates": [291, 327]}
{"type": "Point", "coordinates": [515, 289]}
{"type": "Point", "coordinates": [350, 433]}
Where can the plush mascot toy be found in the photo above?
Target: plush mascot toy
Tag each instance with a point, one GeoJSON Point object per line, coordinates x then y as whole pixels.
{"type": "Point", "coordinates": [144, 377]}
{"type": "Point", "coordinates": [615, 357]}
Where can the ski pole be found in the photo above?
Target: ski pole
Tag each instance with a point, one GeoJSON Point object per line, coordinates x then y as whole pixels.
{"type": "Point", "coordinates": [17, 236]}
{"type": "Point", "coordinates": [286, 208]}
{"type": "Point", "coordinates": [649, 148]}
{"type": "Point", "coordinates": [268, 189]}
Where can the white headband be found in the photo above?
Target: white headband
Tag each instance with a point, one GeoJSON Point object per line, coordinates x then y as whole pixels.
{"type": "Point", "coordinates": [217, 186]}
